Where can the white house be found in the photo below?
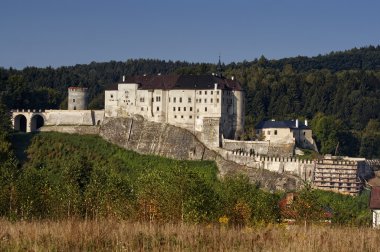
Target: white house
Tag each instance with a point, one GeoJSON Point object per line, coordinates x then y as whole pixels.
{"type": "Point", "coordinates": [292, 131]}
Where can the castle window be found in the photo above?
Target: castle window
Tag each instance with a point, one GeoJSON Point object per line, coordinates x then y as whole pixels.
{"type": "Point", "coordinates": [217, 92]}
{"type": "Point", "coordinates": [217, 100]}
{"type": "Point", "coordinates": [73, 100]}
{"type": "Point", "coordinates": [158, 98]}
{"type": "Point", "coordinates": [200, 92]}
{"type": "Point", "coordinates": [198, 110]}
{"type": "Point", "coordinates": [142, 99]}
{"type": "Point", "coordinates": [181, 116]}
{"type": "Point", "coordinates": [304, 133]}
{"type": "Point", "coordinates": [191, 108]}
{"type": "Point", "coordinates": [111, 95]}
{"type": "Point", "coordinates": [268, 132]}
{"type": "Point", "coordinates": [275, 132]}
{"type": "Point", "coordinates": [174, 99]}
{"type": "Point", "coordinates": [197, 117]}
{"type": "Point", "coordinates": [75, 108]}
{"type": "Point", "coordinates": [212, 92]}
{"type": "Point", "coordinates": [179, 108]}
{"type": "Point", "coordinates": [205, 92]}
{"type": "Point", "coordinates": [205, 100]}
{"type": "Point", "coordinates": [205, 109]}
{"type": "Point", "coordinates": [175, 116]}
{"type": "Point", "coordinates": [184, 108]}
{"type": "Point", "coordinates": [211, 100]}
{"type": "Point", "coordinates": [173, 108]}
{"type": "Point", "coordinates": [200, 100]}
{"type": "Point", "coordinates": [189, 99]}
{"type": "Point", "coordinates": [142, 109]}
{"type": "Point", "coordinates": [191, 117]}
{"type": "Point", "coordinates": [158, 108]}
{"type": "Point", "coordinates": [169, 99]}
{"type": "Point", "coordinates": [180, 99]}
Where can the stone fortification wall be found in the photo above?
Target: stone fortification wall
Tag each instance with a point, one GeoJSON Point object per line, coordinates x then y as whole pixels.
{"type": "Point", "coordinates": [83, 130]}
{"type": "Point", "coordinates": [281, 150]}
{"type": "Point", "coordinates": [68, 117]}
{"type": "Point", "coordinates": [258, 147]}
{"type": "Point", "coordinates": [265, 148]}
{"type": "Point", "coordinates": [298, 167]}
{"type": "Point", "coordinates": [210, 134]}
{"type": "Point", "coordinates": [73, 117]}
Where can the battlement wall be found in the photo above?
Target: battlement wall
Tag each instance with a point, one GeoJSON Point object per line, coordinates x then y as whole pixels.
{"type": "Point", "coordinates": [266, 148]}
{"type": "Point", "coordinates": [299, 167]}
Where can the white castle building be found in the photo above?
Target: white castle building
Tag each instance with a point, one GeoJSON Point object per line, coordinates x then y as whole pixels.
{"type": "Point", "coordinates": [199, 103]}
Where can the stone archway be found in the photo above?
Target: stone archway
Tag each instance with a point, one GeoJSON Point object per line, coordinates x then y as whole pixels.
{"type": "Point", "coordinates": [20, 123]}
{"type": "Point", "coordinates": [37, 121]}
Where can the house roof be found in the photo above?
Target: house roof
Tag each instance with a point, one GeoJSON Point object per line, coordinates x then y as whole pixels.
{"type": "Point", "coordinates": [281, 124]}
{"type": "Point", "coordinates": [374, 202]}
{"type": "Point", "coordinates": [181, 82]}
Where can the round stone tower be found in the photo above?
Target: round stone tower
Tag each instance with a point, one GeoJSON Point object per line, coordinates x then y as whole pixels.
{"type": "Point", "coordinates": [78, 98]}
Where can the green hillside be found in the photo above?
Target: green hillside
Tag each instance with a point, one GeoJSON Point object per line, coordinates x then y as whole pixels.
{"type": "Point", "coordinates": [87, 177]}
{"type": "Point", "coordinates": [60, 176]}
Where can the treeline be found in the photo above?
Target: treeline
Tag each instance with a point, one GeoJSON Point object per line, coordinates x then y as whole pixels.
{"type": "Point", "coordinates": [341, 87]}
{"type": "Point", "coordinates": [71, 176]}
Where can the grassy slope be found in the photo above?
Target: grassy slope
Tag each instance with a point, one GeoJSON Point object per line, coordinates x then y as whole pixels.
{"type": "Point", "coordinates": [51, 147]}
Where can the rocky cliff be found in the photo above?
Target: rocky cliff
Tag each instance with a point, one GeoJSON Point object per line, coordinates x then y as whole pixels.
{"type": "Point", "coordinates": [135, 133]}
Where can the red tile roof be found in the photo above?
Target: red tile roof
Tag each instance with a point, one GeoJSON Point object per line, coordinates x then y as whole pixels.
{"type": "Point", "coordinates": [374, 202]}
{"type": "Point", "coordinates": [181, 82]}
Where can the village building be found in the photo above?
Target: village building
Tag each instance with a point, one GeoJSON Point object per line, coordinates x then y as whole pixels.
{"type": "Point", "coordinates": [339, 174]}
{"type": "Point", "coordinates": [374, 205]}
{"type": "Point", "coordinates": [291, 131]}
{"type": "Point", "coordinates": [195, 102]}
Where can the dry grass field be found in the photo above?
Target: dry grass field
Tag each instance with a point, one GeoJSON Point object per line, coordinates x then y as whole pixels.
{"type": "Point", "coordinates": [113, 235]}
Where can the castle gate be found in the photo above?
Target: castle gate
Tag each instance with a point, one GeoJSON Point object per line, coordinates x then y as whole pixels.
{"type": "Point", "coordinates": [28, 120]}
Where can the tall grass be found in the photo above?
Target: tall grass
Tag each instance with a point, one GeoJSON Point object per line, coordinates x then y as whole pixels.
{"type": "Point", "coordinates": [111, 234]}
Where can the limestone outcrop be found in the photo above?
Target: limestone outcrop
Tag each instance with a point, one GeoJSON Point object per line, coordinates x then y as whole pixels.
{"type": "Point", "coordinates": [145, 137]}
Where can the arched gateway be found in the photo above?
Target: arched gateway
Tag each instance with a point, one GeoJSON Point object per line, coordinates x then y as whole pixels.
{"type": "Point", "coordinates": [27, 120]}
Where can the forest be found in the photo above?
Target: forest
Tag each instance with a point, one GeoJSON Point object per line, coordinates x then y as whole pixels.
{"type": "Point", "coordinates": [339, 92]}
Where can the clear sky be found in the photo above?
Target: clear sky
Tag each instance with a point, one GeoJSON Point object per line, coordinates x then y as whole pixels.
{"type": "Point", "coordinates": [67, 32]}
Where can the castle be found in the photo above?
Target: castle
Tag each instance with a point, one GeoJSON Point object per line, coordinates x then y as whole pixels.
{"type": "Point", "coordinates": [198, 103]}
{"type": "Point", "coordinates": [211, 107]}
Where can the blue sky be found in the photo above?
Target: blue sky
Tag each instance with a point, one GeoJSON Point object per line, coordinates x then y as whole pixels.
{"type": "Point", "coordinates": [67, 32]}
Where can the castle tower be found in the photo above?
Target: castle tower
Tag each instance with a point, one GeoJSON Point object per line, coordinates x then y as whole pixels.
{"type": "Point", "coordinates": [78, 98]}
{"type": "Point", "coordinates": [240, 111]}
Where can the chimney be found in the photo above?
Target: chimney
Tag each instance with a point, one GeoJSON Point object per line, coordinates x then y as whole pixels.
{"type": "Point", "coordinates": [215, 86]}
{"type": "Point", "coordinates": [296, 123]}
{"type": "Point", "coordinates": [123, 78]}
{"type": "Point", "coordinates": [306, 122]}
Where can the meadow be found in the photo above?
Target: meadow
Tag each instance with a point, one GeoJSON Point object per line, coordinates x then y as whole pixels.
{"type": "Point", "coordinates": [116, 235]}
